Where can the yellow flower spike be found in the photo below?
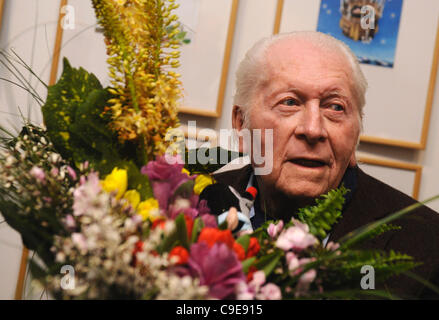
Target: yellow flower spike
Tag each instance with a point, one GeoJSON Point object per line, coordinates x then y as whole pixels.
{"type": "Point", "coordinates": [133, 198]}
{"type": "Point", "coordinates": [116, 181]}
{"type": "Point", "coordinates": [201, 182]}
{"type": "Point", "coordinates": [149, 209]}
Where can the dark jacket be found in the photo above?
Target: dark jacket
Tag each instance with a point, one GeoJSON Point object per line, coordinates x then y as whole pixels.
{"type": "Point", "coordinates": [372, 200]}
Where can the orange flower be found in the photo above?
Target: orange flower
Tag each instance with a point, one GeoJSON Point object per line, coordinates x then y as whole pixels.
{"type": "Point", "coordinates": [213, 235]}
{"type": "Point", "coordinates": [189, 225]}
{"type": "Point", "coordinates": [181, 253]}
{"type": "Point", "coordinates": [253, 248]}
{"type": "Point", "coordinates": [239, 250]}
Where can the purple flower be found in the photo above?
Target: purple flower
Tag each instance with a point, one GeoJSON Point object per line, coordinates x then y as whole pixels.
{"type": "Point", "coordinates": [216, 267]}
{"type": "Point", "coordinates": [209, 220]}
{"type": "Point", "coordinates": [165, 179]}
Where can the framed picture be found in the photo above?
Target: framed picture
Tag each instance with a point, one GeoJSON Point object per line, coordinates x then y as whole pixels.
{"type": "Point", "coordinates": [2, 3]}
{"type": "Point", "coordinates": [204, 60]}
{"type": "Point", "coordinates": [403, 90]}
{"type": "Point", "coordinates": [403, 176]}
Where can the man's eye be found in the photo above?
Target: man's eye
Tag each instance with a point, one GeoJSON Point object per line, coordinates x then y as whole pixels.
{"type": "Point", "coordinates": [336, 107]}
{"type": "Point", "coordinates": [289, 102]}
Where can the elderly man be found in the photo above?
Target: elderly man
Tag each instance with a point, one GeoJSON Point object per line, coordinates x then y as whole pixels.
{"type": "Point", "coordinates": [309, 89]}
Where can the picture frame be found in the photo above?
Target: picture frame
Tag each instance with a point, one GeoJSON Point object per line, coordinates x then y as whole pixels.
{"type": "Point", "coordinates": [215, 79]}
{"type": "Point", "coordinates": [398, 165]}
{"type": "Point", "coordinates": [210, 57]}
{"type": "Point", "coordinates": [393, 90]}
{"type": "Point", "coordinates": [2, 4]}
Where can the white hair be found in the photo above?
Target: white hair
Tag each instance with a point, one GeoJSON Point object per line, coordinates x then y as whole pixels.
{"type": "Point", "coordinates": [251, 70]}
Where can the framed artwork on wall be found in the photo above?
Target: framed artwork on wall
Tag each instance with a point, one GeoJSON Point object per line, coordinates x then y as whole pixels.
{"type": "Point", "coordinates": [402, 91]}
{"type": "Point", "coordinates": [204, 60]}
{"type": "Point", "coordinates": [403, 176]}
{"type": "Point", "coordinates": [2, 3]}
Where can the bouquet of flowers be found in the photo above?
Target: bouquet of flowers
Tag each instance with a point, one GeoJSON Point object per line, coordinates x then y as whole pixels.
{"type": "Point", "coordinates": [94, 189]}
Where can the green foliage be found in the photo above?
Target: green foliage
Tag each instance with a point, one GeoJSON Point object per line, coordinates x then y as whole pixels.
{"type": "Point", "coordinates": [78, 126]}
{"type": "Point", "coordinates": [63, 100]}
{"type": "Point", "coordinates": [322, 216]}
{"type": "Point", "coordinates": [346, 268]}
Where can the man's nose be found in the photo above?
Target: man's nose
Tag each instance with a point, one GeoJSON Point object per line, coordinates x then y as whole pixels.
{"type": "Point", "coordinates": [311, 124]}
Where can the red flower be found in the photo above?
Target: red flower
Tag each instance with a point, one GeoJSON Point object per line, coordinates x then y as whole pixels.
{"type": "Point", "coordinates": [160, 222]}
{"type": "Point", "coordinates": [189, 225]}
{"type": "Point", "coordinates": [253, 248]}
{"type": "Point", "coordinates": [239, 250]}
{"type": "Point", "coordinates": [138, 247]}
{"type": "Point", "coordinates": [212, 236]}
{"type": "Point", "coordinates": [250, 273]}
{"type": "Point", "coordinates": [181, 253]}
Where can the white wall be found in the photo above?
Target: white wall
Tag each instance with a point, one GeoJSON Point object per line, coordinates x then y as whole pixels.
{"type": "Point", "coordinates": [255, 19]}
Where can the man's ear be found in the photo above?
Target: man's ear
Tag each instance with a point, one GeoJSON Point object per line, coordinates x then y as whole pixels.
{"type": "Point", "coordinates": [237, 118]}
{"type": "Point", "coordinates": [353, 160]}
{"type": "Point", "coordinates": [238, 125]}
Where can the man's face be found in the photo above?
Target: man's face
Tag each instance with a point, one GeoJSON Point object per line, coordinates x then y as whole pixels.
{"type": "Point", "coordinates": [308, 101]}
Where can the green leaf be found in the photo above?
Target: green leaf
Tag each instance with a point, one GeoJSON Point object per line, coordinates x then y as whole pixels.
{"type": "Point", "coordinates": [321, 217]}
{"type": "Point", "coordinates": [247, 263]}
{"type": "Point", "coordinates": [269, 262]}
{"type": "Point", "coordinates": [196, 229]}
{"type": "Point", "coordinates": [244, 241]}
{"type": "Point", "coordinates": [181, 231]}
{"type": "Point", "coordinates": [63, 100]}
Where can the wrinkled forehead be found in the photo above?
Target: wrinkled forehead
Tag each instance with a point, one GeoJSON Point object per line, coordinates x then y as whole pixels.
{"type": "Point", "coordinates": [288, 54]}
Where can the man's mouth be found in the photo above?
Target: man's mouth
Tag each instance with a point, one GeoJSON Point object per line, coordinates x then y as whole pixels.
{"type": "Point", "coordinates": [309, 163]}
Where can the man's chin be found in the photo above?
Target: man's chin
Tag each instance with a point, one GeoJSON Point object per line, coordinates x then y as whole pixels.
{"type": "Point", "coordinates": [306, 193]}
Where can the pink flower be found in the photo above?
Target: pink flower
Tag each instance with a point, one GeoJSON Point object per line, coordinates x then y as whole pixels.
{"type": "Point", "coordinates": [70, 222]}
{"type": "Point", "coordinates": [79, 241]}
{"type": "Point", "coordinates": [71, 172]}
{"type": "Point", "coordinates": [37, 173]}
{"type": "Point", "coordinates": [274, 229]}
{"type": "Point", "coordinates": [54, 172]}
{"type": "Point", "coordinates": [296, 238]}
{"type": "Point", "coordinates": [304, 283]}
{"type": "Point", "coordinates": [84, 197]}
{"type": "Point", "coordinates": [292, 261]}
{"type": "Point", "coordinates": [269, 292]}
{"type": "Point", "coordinates": [217, 267]}
{"type": "Point", "coordinates": [332, 246]}
{"type": "Point", "coordinates": [243, 291]}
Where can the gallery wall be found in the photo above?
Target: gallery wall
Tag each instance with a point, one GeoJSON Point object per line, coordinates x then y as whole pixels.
{"type": "Point", "coordinates": [226, 29]}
